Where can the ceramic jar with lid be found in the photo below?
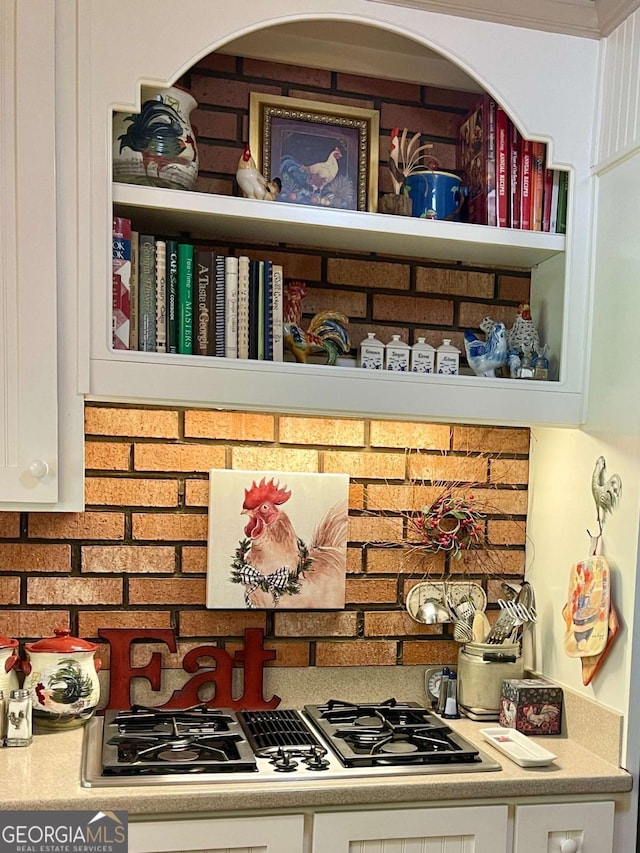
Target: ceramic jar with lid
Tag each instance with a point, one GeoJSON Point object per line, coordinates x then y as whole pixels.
{"type": "Point", "coordinates": [9, 664]}
{"type": "Point", "coordinates": [396, 355]}
{"type": "Point", "coordinates": [62, 674]}
{"type": "Point", "coordinates": [371, 352]}
{"type": "Point", "coordinates": [422, 357]}
{"type": "Point", "coordinates": [447, 359]}
{"type": "Point", "coordinates": [482, 667]}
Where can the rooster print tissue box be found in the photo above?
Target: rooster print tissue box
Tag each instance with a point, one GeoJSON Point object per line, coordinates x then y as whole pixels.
{"type": "Point", "coordinates": [532, 706]}
{"type": "Point", "coordinates": [277, 540]}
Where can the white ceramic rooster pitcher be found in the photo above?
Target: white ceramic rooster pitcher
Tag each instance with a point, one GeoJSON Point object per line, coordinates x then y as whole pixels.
{"type": "Point", "coordinates": [9, 663]}
{"type": "Point", "coordinates": [62, 674]}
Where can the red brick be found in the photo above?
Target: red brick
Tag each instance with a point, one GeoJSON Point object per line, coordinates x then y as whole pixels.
{"type": "Point", "coordinates": [385, 89]}
{"type": "Point", "coordinates": [429, 652]}
{"type": "Point", "coordinates": [126, 491]}
{"type": "Point", "coordinates": [343, 624]}
{"type": "Point", "coordinates": [371, 590]}
{"type": "Point", "coordinates": [26, 624]}
{"type": "Point", "coordinates": [127, 559]}
{"type": "Point", "coordinates": [514, 288]}
{"type": "Point", "coordinates": [80, 591]}
{"type": "Point", "coordinates": [76, 525]}
{"type": "Point", "coordinates": [356, 653]}
{"type": "Point", "coordinates": [220, 623]}
{"type": "Point", "coordinates": [107, 455]}
{"type": "Point", "coordinates": [9, 592]}
{"type": "Point", "coordinates": [168, 526]}
{"type": "Point", "coordinates": [298, 75]}
{"type": "Point", "coordinates": [219, 158]}
{"type": "Point", "coordinates": [194, 559]}
{"type": "Point", "coordinates": [9, 525]}
{"type": "Point", "coordinates": [217, 61]}
{"type": "Point", "coordinates": [438, 312]}
{"type": "Point", "coordinates": [111, 421]}
{"type": "Point", "coordinates": [347, 302]}
{"type": "Point", "coordinates": [230, 426]}
{"type": "Point", "coordinates": [21, 557]}
{"type": "Point", "coordinates": [381, 623]}
{"type": "Point", "coordinates": [465, 101]}
{"type": "Point", "coordinates": [90, 620]}
{"type": "Point", "coordinates": [214, 124]}
{"type": "Point", "coordinates": [430, 122]}
{"type": "Point", "coordinates": [222, 92]}
{"type": "Point", "coordinates": [407, 434]}
{"type": "Point", "coordinates": [196, 493]}
{"type": "Point", "coordinates": [368, 273]}
{"type": "Point", "coordinates": [288, 653]}
{"type": "Point", "coordinates": [491, 439]}
{"type": "Point", "coordinates": [167, 591]}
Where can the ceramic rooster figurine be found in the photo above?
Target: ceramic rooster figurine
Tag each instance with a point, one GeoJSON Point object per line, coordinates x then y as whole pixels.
{"type": "Point", "coordinates": [523, 336]}
{"type": "Point", "coordinates": [252, 182]}
{"type": "Point", "coordinates": [327, 330]}
{"type": "Point", "coordinates": [485, 356]}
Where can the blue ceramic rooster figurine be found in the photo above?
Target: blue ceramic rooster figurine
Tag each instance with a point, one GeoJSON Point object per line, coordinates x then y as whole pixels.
{"type": "Point", "coordinates": [485, 356]}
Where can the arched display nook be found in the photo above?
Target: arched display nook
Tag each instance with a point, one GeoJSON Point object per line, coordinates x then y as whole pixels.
{"type": "Point", "coordinates": [520, 72]}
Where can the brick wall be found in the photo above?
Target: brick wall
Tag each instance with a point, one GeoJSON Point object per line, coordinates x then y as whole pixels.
{"type": "Point", "coordinates": [137, 556]}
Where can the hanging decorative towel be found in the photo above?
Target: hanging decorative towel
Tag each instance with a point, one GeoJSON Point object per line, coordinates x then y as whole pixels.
{"type": "Point", "coordinates": [586, 612]}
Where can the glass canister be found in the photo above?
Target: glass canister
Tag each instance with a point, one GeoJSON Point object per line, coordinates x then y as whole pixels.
{"type": "Point", "coordinates": [482, 667]}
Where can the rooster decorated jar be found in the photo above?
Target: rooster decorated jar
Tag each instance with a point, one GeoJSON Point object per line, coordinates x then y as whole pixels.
{"type": "Point", "coordinates": [62, 674]}
{"type": "Point", "coordinates": [9, 663]}
{"type": "Point", "coordinates": [157, 146]}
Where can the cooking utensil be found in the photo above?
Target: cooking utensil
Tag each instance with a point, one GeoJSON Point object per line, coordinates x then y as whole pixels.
{"type": "Point", "coordinates": [502, 628]}
{"type": "Point", "coordinates": [432, 612]}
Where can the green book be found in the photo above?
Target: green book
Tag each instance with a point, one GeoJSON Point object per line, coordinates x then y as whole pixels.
{"type": "Point", "coordinates": [172, 296]}
{"type": "Point", "coordinates": [185, 298]}
{"type": "Point", "coordinates": [563, 189]}
{"type": "Point", "coordinates": [147, 293]}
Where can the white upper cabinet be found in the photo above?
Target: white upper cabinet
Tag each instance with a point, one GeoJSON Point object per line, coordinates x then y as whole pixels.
{"type": "Point", "coordinates": [28, 364]}
{"type": "Point", "coordinates": [545, 81]}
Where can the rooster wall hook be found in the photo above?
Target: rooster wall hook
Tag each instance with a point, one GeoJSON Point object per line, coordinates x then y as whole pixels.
{"type": "Point", "coordinates": [606, 494]}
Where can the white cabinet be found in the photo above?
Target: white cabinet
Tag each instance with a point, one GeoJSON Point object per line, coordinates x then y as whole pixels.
{"type": "Point", "coordinates": [149, 52]}
{"type": "Point", "coordinates": [282, 834]}
{"type": "Point", "coordinates": [41, 436]}
{"type": "Point", "coordinates": [564, 828]}
{"type": "Point", "coordinates": [464, 829]}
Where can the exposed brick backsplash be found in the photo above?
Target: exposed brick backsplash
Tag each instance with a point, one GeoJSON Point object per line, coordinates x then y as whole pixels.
{"type": "Point", "coordinates": [137, 556]}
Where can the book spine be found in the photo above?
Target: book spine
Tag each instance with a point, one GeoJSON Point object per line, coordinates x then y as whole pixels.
{"type": "Point", "coordinates": [254, 268]}
{"type": "Point", "coordinates": [260, 310]}
{"type": "Point", "coordinates": [538, 157]}
{"type": "Point", "coordinates": [204, 284]}
{"type": "Point", "coordinates": [268, 311]}
{"type": "Point", "coordinates": [185, 298]}
{"type": "Point", "coordinates": [243, 307]}
{"type": "Point", "coordinates": [277, 291]}
{"type": "Point", "coordinates": [546, 199]}
{"type": "Point", "coordinates": [147, 289]}
{"type": "Point", "coordinates": [502, 168]}
{"type": "Point", "coordinates": [134, 295]}
{"type": "Point", "coordinates": [231, 307]}
{"type": "Point", "coordinates": [515, 143]}
{"type": "Point", "coordinates": [161, 296]}
{"type": "Point", "coordinates": [492, 217]}
{"type": "Point", "coordinates": [220, 347]}
{"type": "Point", "coordinates": [525, 185]}
{"type": "Point", "coordinates": [172, 296]}
{"type": "Point", "coordinates": [121, 283]}
{"type": "Point", "coordinates": [563, 191]}
{"type": "Point", "coordinates": [555, 186]}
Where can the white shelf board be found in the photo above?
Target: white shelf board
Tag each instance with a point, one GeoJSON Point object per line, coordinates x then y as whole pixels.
{"type": "Point", "coordinates": [320, 389]}
{"type": "Point", "coordinates": [166, 211]}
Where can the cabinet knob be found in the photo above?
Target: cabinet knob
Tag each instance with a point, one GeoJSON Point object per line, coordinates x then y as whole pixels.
{"type": "Point", "coordinates": [569, 846]}
{"type": "Point", "coordinates": [38, 469]}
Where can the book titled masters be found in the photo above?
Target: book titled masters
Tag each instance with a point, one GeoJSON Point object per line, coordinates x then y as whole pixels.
{"type": "Point", "coordinates": [161, 296]}
{"type": "Point", "coordinates": [185, 298]}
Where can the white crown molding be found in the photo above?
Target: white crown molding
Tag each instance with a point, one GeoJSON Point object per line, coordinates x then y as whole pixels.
{"type": "Point", "coordinates": [611, 13]}
{"type": "Point", "coordinates": [574, 17]}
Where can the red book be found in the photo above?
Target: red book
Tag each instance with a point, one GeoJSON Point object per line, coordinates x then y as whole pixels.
{"type": "Point", "coordinates": [477, 162]}
{"type": "Point", "coordinates": [515, 144]}
{"type": "Point", "coordinates": [525, 185]}
{"type": "Point", "coordinates": [546, 199]}
{"type": "Point", "coordinates": [502, 168]}
{"type": "Point", "coordinates": [121, 282]}
{"type": "Point", "coordinates": [538, 159]}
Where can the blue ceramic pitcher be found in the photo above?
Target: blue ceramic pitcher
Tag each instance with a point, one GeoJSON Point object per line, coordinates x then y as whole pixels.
{"type": "Point", "coordinates": [435, 195]}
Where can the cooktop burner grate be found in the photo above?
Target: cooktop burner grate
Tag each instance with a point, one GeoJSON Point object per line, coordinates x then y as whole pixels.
{"type": "Point", "coordinates": [271, 731]}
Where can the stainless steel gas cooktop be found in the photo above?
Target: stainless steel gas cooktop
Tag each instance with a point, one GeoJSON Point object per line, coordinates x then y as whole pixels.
{"type": "Point", "coordinates": [202, 745]}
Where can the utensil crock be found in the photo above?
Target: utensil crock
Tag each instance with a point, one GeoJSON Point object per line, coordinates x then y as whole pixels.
{"type": "Point", "coordinates": [62, 674]}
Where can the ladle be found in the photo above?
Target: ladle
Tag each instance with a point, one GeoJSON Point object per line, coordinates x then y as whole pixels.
{"type": "Point", "coordinates": [432, 612]}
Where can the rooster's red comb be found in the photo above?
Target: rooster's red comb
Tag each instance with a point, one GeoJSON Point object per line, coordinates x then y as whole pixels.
{"type": "Point", "coordinates": [270, 492]}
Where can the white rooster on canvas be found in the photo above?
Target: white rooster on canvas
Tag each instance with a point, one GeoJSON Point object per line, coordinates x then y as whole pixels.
{"type": "Point", "coordinates": [274, 564]}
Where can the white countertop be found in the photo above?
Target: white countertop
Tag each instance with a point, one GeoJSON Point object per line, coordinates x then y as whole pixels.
{"type": "Point", "coordinates": [46, 775]}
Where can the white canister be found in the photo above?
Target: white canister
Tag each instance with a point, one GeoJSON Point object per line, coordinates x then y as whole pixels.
{"type": "Point", "coordinates": [422, 357]}
{"type": "Point", "coordinates": [371, 352]}
{"type": "Point", "coordinates": [62, 675]}
{"type": "Point", "coordinates": [396, 355]}
{"type": "Point", "coordinates": [9, 663]}
{"type": "Point", "coordinates": [447, 359]}
{"type": "Point", "coordinates": [482, 667]}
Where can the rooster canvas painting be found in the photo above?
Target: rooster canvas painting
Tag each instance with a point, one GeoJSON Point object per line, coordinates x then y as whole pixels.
{"type": "Point", "coordinates": [277, 540]}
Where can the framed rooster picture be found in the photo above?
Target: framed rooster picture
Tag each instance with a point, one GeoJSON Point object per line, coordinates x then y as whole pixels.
{"type": "Point", "coordinates": [277, 540]}
{"type": "Point", "coordinates": [325, 155]}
